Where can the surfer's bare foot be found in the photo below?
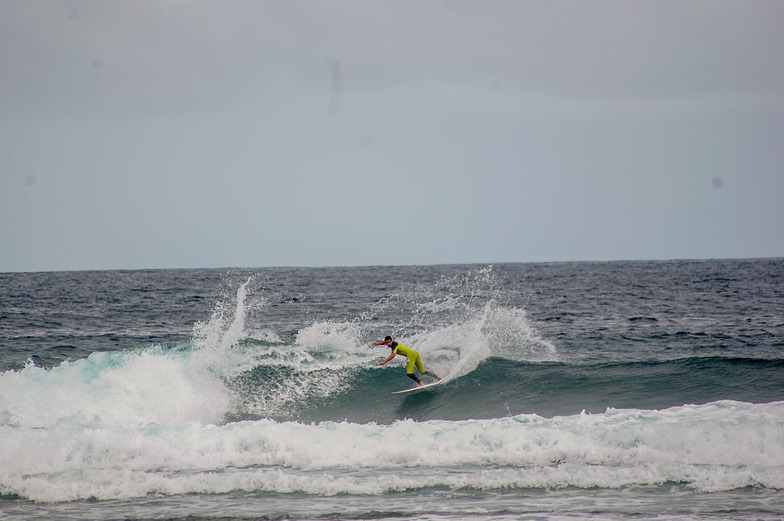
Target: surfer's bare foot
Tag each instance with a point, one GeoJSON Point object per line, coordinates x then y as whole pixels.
{"type": "Point", "coordinates": [421, 384]}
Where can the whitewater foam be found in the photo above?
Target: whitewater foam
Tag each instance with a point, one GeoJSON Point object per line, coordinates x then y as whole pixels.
{"type": "Point", "coordinates": [114, 388]}
{"type": "Point", "coordinates": [719, 446]}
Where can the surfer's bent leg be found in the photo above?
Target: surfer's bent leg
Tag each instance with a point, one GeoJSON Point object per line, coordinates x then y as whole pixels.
{"type": "Point", "coordinates": [414, 377]}
{"type": "Point", "coordinates": [421, 369]}
{"type": "Point", "coordinates": [410, 362]}
{"type": "Point", "coordinates": [418, 363]}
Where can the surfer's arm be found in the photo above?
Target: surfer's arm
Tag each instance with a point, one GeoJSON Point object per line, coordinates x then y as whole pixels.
{"type": "Point", "coordinates": [388, 359]}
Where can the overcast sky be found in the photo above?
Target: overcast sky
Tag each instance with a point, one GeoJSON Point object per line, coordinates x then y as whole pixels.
{"type": "Point", "coordinates": [233, 133]}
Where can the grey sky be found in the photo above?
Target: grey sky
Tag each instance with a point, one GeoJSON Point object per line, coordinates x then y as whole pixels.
{"type": "Point", "coordinates": [179, 133]}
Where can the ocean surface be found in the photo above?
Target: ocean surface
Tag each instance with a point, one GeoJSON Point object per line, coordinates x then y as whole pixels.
{"type": "Point", "coordinates": [617, 390]}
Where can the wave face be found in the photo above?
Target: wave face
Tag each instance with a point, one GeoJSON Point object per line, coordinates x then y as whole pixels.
{"type": "Point", "coordinates": [275, 390]}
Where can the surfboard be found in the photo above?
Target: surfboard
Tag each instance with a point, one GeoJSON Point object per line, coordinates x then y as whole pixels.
{"type": "Point", "coordinates": [417, 389]}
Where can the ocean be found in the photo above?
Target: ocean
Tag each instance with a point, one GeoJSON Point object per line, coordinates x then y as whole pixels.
{"type": "Point", "coordinates": [577, 390]}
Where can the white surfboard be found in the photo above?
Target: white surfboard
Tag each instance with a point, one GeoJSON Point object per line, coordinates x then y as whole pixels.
{"type": "Point", "coordinates": [424, 387]}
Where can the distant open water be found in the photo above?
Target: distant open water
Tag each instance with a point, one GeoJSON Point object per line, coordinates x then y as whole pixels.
{"type": "Point", "coordinates": [621, 390]}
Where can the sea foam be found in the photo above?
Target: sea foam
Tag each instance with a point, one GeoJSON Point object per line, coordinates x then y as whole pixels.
{"type": "Point", "coordinates": [719, 446]}
{"type": "Point", "coordinates": [114, 388]}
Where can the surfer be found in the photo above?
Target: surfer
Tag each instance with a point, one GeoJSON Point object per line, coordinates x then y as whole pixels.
{"type": "Point", "coordinates": [412, 359]}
